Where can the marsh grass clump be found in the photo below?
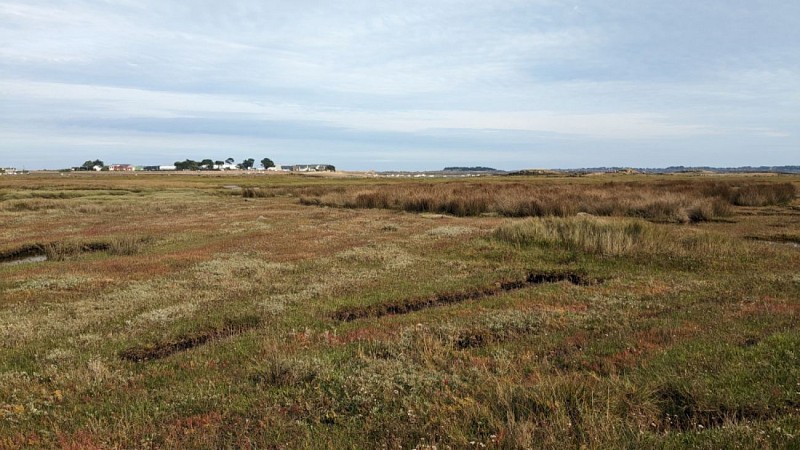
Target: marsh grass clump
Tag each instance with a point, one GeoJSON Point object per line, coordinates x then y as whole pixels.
{"type": "Point", "coordinates": [371, 200]}
{"type": "Point", "coordinates": [585, 234]}
{"type": "Point", "coordinates": [763, 194]}
{"type": "Point", "coordinates": [282, 372]}
{"type": "Point", "coordinates": [128, 245]}
{"type": "Point", "coordinates": [617, 237]}
{"type": "Point", "coordinates": [255, 192]}
{"type": "Point", "coordinates": [59, 251]}
{"type": "Point", "coordinates": [707, 210]}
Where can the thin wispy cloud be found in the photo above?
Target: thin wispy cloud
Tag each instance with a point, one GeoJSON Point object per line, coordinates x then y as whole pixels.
{"type": "Point", "coordinates": [411, 85]}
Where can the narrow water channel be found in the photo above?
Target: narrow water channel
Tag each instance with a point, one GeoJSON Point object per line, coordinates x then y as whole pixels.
{"type": "Point", "coordinates": [24, 260]}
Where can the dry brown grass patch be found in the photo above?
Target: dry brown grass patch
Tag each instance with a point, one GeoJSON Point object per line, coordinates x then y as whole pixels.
{"type": "Point", "coordinates": [665, 201]}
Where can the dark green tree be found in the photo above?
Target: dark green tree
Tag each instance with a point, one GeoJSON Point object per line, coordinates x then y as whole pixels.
{"type": "Point", "coordinates": [247, 163]}
{"type": "Point", "coordinates": [89, 165]}
{"type": "Point", "coordinates": [267, 163]}
{"type": "Point", "coordinates": [229, 161]}
{"type": "Point", "coordinates": [187, 165]}
{"type": "Point", "coordinates": [207, 164]}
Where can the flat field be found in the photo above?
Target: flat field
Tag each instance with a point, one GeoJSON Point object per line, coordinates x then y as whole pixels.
{"type": "Point", "coordinates": [233, 311]}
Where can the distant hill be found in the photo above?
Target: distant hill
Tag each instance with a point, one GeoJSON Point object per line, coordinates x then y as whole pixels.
{"type": "Point", "coordinates": [469, 169]}
{"type": "Point", "coordinates": [463, 171]}
{"type": "Point", "coordinates": [685, 169]}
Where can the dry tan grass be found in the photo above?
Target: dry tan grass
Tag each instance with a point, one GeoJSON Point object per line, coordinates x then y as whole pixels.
{"type": "Point", "coordinates": [615, 237]}
{"type": "Point", "coordinates": [667, 202]}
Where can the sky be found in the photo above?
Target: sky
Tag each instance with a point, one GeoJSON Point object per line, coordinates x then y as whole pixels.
{"type": "Point", "coordinates": [401, 85]}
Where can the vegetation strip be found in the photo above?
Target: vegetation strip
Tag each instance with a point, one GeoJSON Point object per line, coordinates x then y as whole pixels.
{"type": "Point", "coordinates": [416, 304]}
{"type": "Point", "coordinates": [666, 201]}
{"type": "Point", "coordinates": [54, 250]}
{"type": "Point", "coordinates": [159, 350]}
{"type": "Point", "coordinates": [60, 250]}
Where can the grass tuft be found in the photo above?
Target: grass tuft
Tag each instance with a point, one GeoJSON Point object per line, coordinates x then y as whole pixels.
{"type": "Point", "coordinates": [585, 234]}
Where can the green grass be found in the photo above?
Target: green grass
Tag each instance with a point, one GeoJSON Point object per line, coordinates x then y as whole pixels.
{"type": "Point", "coordinates": [231, 297]}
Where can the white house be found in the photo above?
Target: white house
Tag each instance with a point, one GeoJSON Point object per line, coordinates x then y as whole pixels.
{"type": "Point", "coordinates": [225, 166]}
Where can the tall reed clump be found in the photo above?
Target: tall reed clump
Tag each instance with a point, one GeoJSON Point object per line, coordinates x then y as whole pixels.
{"type": "Point", "coordinates": [59, 251]}
{"type": "Point", "coordinates": [127, 245]}
{"type": "Point", "coordinates": [763, 194]}
{"type": "Point", "coordinates": [251, 192]}
{"type": "Point", "coordinates": [614, 237]}
{"type": "Point", "coordinates": [585, 234]}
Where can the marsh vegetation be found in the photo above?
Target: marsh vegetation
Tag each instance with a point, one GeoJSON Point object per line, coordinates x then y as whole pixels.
{"type": "Point", "coordinates": [586, 312]}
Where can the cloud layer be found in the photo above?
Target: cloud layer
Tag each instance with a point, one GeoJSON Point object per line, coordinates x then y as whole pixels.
{"type": "Point", "coordinates": [400, 85]}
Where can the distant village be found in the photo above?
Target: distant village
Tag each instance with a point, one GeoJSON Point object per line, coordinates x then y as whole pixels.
{"type": "Point", "coordinates": [267, 165]}
{"type": "Point", "coordinates": [205, 165]}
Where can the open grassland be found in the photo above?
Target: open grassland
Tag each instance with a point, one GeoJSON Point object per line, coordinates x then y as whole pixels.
{"type": "Point", "coordinates": [180, 311]}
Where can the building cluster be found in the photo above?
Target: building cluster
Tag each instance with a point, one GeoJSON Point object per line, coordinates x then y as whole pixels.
{"type": "Point", "coordinates": [283, 168]}
{"type": "Point", "coordinates": [305, 168]}
{"type": "Point", "coordinates": [168, 168]}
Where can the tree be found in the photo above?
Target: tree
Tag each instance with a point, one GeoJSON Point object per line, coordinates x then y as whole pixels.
{"type": "Point", "coordinates": [207, 164]}
{"type": "Point", "coordinates": [89, 165]}
{"type": "Point", "coordinates": [267, 163]}
{"type": "Point", "coordinates": [229, 161]}
{"type": "Point", "coordinates": [247, 163]}
{"type": "Point", "coordinates": [219, 164]}
{"type": "Point", "coordinates": [187, 165]}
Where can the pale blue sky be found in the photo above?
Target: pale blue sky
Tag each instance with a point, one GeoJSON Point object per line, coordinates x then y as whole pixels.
{"type": "Point", "coordinates": [411, 85]}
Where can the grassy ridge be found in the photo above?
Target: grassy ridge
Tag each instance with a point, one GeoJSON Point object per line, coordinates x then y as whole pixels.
{"type": "Point", "coordinates": [230, 324]}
